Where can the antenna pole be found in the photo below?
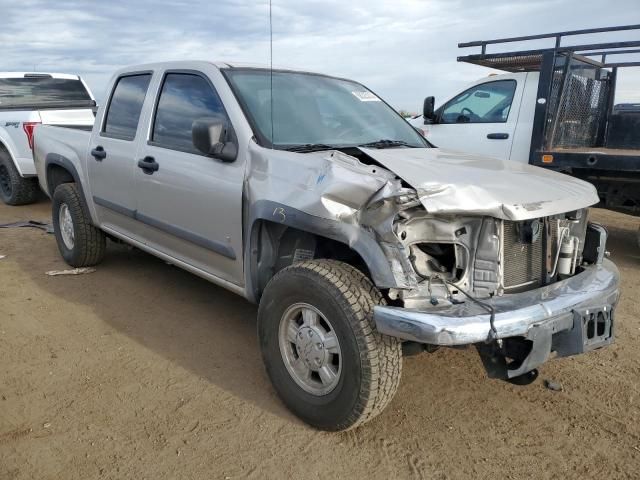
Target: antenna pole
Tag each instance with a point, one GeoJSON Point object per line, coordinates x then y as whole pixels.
{"type": "Point", "coordinates": [271, 69]}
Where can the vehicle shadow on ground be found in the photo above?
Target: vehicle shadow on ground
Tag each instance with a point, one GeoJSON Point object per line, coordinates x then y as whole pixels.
{"type": "Point", "coordinates": [189, 321]}
{"type": "Point", "coordinates": [622, 244]}
{"type": "Point", "coordinates": [623, 239]}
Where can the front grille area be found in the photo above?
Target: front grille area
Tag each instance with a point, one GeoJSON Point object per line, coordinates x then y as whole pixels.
{"type": "Point", "coordinates": [523, 263]}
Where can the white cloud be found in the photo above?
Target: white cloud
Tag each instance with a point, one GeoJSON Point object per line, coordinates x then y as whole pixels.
{"type": "Point", "coordinates": [403, 50]}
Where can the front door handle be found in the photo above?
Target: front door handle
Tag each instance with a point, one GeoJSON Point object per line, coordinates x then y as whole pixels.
{"type": "Point", "coordinates": [498, 136]}
{"type": "Point", "coordinates": [98, 153]}
{"type": "Point", "coordinates": [148, 165]}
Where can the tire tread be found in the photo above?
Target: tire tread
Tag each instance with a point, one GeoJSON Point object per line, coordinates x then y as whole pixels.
{"type": "Point", "coordinates": [89, 240]}
{"type": "Point", "coordinates": [380, 355]}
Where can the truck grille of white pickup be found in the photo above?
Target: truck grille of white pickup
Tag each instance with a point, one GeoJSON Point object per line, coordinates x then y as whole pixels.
{"type": "Point", "coordinates": [524, 263]}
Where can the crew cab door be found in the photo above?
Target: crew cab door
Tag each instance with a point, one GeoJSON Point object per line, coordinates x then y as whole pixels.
{"type": "Point", "coordinates": [189, 205]}
{"type": "Point", "coordinates": [481, 120]}
{"type": "Point", "coordinates": [112, 153]}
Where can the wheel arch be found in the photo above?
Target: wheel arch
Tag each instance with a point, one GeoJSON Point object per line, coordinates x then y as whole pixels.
{"type": "Point", "coordinates": [58, 170]}
{"type": "Point", "coordinates": [278, 233]}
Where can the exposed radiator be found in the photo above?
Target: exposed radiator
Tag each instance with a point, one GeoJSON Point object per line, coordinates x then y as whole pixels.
{"type": "Point", "coordinates": [523, 263]}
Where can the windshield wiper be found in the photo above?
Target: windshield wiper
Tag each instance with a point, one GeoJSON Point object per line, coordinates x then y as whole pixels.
{"type": "Point", "coordinates": [318, 147]}
{"type": "Point", "coordinates": [385, 143]}
{"type": "Point", "coordinates": [309, 147]}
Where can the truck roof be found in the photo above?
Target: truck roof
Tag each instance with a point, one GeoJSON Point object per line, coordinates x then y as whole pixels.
{"type": "Point", "coordinates": [195, 64]}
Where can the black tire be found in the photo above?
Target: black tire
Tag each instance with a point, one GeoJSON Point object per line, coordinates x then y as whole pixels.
{"type": "Point", "coordinates": [371, 362]}
{"type": "Point", "coordinates": [89, 242]}
{"type": "Point", "coordinates": [14, 189]}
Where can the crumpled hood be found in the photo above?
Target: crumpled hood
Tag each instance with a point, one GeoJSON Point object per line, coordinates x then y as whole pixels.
{"type": "Point", "coordinates": [458, 183]}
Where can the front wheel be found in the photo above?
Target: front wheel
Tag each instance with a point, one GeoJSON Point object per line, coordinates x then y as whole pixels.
{"type": "Point", "coordinates": [320, 347]}
{"type": "Point", "coordinates": [80, 243]}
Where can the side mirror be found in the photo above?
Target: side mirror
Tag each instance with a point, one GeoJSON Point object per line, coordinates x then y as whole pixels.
{"type": "Point", "coordinates": [210, 136]}
{"type": "Point", "coordinates": [428, 110]}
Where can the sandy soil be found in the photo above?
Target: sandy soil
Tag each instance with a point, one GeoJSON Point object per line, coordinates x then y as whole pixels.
{"type": "Point", "coordinates": [141, 370]}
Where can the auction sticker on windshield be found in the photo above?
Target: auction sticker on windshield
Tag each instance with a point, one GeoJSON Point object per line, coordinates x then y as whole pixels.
{"type": "Point", "coordinates": [366, 96]}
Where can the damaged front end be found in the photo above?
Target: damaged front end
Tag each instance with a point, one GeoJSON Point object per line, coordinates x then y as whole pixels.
{"type": "Point", "coordinates": [502, 257]}
{"type": "Point", "coordinates": [519, 291]}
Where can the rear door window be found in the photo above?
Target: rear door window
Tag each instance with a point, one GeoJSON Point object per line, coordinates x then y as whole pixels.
{"type": "Point", "coordinates": [125, 106]}
{"type": "Point", "coordinates": [184, 98]}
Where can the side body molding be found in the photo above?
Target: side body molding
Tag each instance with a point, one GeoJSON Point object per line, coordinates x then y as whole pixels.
{"type": "Point", "coordinates": [217, 247]}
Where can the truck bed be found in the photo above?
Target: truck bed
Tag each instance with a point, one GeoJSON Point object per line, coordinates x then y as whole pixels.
{"type": "Point", "coordinates": [71, 141]}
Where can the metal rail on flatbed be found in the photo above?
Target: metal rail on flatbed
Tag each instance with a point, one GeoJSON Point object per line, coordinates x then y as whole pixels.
{"type": "Point", "coordinates": [531, 60]}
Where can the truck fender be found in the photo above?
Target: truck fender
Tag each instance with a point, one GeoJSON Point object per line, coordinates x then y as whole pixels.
{"type": "Point", "coordinates": [52, 181]}
{"type": "Point", "coordinates": [358, 239]}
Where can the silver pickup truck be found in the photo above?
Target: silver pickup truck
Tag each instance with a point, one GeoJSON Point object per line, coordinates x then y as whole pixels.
{"type": "Point", "coordinates": [311, 196]}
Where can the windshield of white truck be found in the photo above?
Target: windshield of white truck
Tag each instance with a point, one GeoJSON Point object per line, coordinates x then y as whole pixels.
{"type": "Point", "coordinates": [313, 111]}
{"type": "Point", "coordinates": [42, 92]}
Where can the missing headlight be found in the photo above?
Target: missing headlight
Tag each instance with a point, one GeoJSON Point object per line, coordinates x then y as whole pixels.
{"type": "Point", "coordinates": [437, 258]}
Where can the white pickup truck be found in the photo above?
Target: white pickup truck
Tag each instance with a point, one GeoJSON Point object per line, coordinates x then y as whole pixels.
{"type": "Point", "coordinates": [553, 107]}
{"type": "Point", "coordinates": [27, 100]}
{"type": "Point", "coordinates": [311, 196]}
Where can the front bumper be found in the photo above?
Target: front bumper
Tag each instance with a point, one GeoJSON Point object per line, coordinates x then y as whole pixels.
{"type": "Point", "coordinates": [565, 306]}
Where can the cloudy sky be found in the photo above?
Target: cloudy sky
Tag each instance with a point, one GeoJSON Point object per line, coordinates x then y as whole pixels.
{"type": "Point", "coordinates": [402, 49]}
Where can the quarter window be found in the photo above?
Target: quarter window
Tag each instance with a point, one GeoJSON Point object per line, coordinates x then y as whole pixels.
{"type": "Point", "coordinates": [184, 98]}
{"type": "Point", "coordinates": [125, 106]}
{"type": "Point", "coordinates": [486, 103]}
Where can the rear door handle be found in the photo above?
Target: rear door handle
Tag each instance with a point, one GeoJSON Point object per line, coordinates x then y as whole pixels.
{"type": "Point", "coordinates": [98, 153]}
{"type": "Point", "coordinates": [498, 136]}
{"type": "Point", "coordinates": [148, 165]}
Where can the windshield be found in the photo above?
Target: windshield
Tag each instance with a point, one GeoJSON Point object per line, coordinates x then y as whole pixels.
{"type": "Point", "coordinates": [42, 90]}
{"type": "Point", "coordinates": [311, 109]}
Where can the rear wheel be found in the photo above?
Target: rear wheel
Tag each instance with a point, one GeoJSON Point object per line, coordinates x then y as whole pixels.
{"type": "Point", "coordinates": [80, 243]}
{"type": "Point", "coordinates": [14, 189]}
{"type": "Point", "coordinates": [321, 349]}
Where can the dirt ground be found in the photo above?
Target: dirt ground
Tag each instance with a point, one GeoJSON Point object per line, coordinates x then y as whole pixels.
{"type": "Point", "coordinates": [141, 370]}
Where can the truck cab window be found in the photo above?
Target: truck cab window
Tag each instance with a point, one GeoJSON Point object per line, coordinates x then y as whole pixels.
{"type": "Point", "coordinates": [486, 103]}
{"type": "Point", "coordinates": [126, 103]}
{"type": "Point", "coordinates": [184, 98]}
